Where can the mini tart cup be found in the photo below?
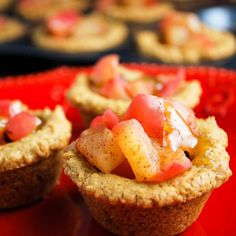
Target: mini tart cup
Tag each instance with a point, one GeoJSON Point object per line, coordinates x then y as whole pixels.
{"type": "Point", "coordinates": [114, 36]}
{"type": "Point", "coordinates": [13, 29]}
{"type": "Point", "coordinates": [91, 103]}
{"type": "Point", "coordinates": [126, 207]}
{"type": "Point", "coordinates": [30, 167]}
{"type": "Point", "coordinates": [138, 15]}
{"type": "Point", "coordinates": [150, 45]}
{"type": "Point", "coordinates": [35, 13]}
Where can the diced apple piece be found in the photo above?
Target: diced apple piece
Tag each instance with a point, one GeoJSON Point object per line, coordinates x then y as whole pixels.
{"type": "Point", "coordinates": [107, 120]}
{"type": "Point", "coordinates": [137, 148]}
{"type": "Point", "coordinates": [140, 86]}
{"type": "Point", "coordinates": [101, 150]}
{"type": "Point", "coordinates": [63, 23]}
{"type": "Point", "coordinates": [115, 89]}
{"type": "Point", "coordinates": [105, 69]}
{"type": "Point", "coordinates": [181, 135]}
{"type": "Point", "coordinates": [21, 125]}
{"type": "Point", "coordinates": [170, 83]}
{"type": "Point", "coordinates": [149, 111]}
{"type": "Point", "coordinates": [186, 114]}
{"type": "Point", "coordinates": [172, 164]}
{"type": "Point", "coordinates": [10, 108]}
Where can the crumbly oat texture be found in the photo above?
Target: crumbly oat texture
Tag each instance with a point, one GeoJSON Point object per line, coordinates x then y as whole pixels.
{"type": "Point", "coordinates": [28, 184]}
{"type": "Point", "coordinates": [166, 208]}
{"type": "Point", "coordinates": [30, 167]}
{"type": "Point", "coordinates": [11, 30]}
{"type": "Point", "coordinates": [137, 15]}
{"type": "Point", "coordinates": [150, 45]}
{"type": "Point", "coordinates": [37, 12]}
{"type": "Point", "coordinates": [83, 97]}
{"type": "Point", "coordinates": [114, 35]}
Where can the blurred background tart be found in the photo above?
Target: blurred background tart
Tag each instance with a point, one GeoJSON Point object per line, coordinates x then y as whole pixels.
{"type": "Point", "coordinates": [38, 10]}
{"type": "Point", "coordinates": [10, 28]}
{"type": "Point", "coordinates": [72, 32]}
{"type": "Point", "coordinates": [183, 38]}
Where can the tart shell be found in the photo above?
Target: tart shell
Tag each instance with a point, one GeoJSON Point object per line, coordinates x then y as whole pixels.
{"type": "Point", "coordinates": [31, 166]}
{"type": "Point", "coordinates": [150, 45]}
{"type": "Point", "coordinates": [115, 36]}
{"type": "Point", "coordinates": [127, 207]}
{"type": "Point", "coordinates": [28, 184]}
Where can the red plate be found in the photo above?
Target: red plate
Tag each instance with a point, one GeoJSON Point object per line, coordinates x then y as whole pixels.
{"type": "Point", "coordinates": [63, 212]}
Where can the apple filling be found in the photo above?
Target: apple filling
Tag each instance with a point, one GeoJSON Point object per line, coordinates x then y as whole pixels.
{"type": "Point", "coordinates": [183, 30]}
{"type": "Point", "coordinates": [16, 121]}
{"type": "Point", "coordinates": [151, 142]}
{"type": "Point", "coordinates": [73, 24]}
{"type": "Point", "coordinates": [114, 81]}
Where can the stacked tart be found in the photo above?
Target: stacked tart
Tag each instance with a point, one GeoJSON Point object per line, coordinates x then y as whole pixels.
{"type": "Point", "coordinates": [151, 171]}
{"type": "Point", "coordinates": [71, 32]}
{"type": "Point", "coordinates": [183, 38]}
{"type": "Point", "coordinates": [11, 29]}
{"type": "Point", "coordinates": [112, 85]}
{"type": "Point", "coordinates": [30, 143]}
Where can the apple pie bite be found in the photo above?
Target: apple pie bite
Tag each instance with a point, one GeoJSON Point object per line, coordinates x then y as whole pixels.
{"type": "Point", "coordinates": [72, 32]}
{"type": "Point", "coordinates": [29, 145]}
{"type": "Point", "coordinates": [151, 171]}
{"type": "Point", "coordinates": [183, 38]}
{"type": "Point", "coordinates": [112, 85]}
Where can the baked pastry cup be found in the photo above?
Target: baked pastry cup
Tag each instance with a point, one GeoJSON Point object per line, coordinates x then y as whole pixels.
{"type": "Point", "coordinates": [31, 166]}
{"type": "Point", "coordinates": [135, 11]}
{"type": "Point", "coordinates": [191, 46]}
{"type": "Point", "coordinates": [11, 29]}
{"type": "Point", "coordinates": [91, 103]}
{"type": "Point", "coordinates": [90, 33]}
{"type": "Point", "coordinates": [40, 10]}
{"type": "Point", "coordinates": [130, 207]}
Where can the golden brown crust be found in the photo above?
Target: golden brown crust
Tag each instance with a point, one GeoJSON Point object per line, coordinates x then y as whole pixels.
{"type": "Point", "coordinates": [114, 35]}
{"type": "Point", "coordinates": [81, 96]}
{"type": "Point", "coordinates": [135, 14]}
{"type": "Point", "coordinates": [124, 220]}
{"type": "Point", "coordinates": [11, 30]}
{"type": "Point", "coordinates": [202, 178]}
{"type": "Point", "coordinates": [36, 13]}
{"type": "Point", "coordinates": [224, 46]}
{"type": "Point", "coordinates": [52, 136]}
{"type": "Point", "coordinates": [28, 184]}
